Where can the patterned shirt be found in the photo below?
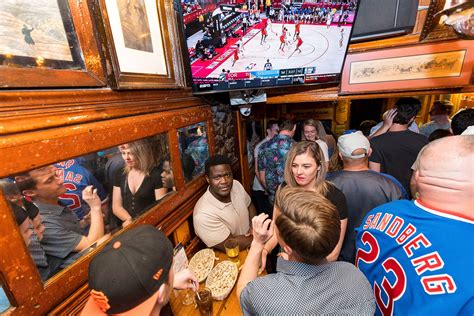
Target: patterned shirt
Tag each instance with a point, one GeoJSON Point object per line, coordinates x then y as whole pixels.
{"type": "Point", "coordinates": [304, 289]}
{"type": "Point", "coordinates": [199, 151]}
{"type": "Point", "coordinates": [272, 158]}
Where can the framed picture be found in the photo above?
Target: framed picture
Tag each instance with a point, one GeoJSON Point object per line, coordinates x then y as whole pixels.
{"type": "Point", "coordinates": [434, 28]}
{"type": "Point", "coordinates": [139, 35]}
{"type": "Point", "coordinates": [409, 68]}
{"type": "Point", "coordinates": [47, 43]}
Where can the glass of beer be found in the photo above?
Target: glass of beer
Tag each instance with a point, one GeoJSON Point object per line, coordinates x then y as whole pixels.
{"type": "Point", "coordinates": [203, 300]}
{"type": "Point", "coordinates": [232, 250]}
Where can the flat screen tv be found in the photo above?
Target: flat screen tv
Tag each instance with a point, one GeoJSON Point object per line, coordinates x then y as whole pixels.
{"type": "Point", "coordinates": [238, 45]}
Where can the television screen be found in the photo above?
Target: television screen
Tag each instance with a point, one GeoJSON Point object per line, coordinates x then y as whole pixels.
{"type": "Point", "coordinates": [237, 45]}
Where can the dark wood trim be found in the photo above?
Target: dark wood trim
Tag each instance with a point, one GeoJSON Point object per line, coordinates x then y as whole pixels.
{"type": "Point", "coordinates": [49, 109]}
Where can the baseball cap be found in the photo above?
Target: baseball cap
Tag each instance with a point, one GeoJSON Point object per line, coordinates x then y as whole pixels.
{"type": "Point", "coordinates": [124, 278]}
{"type": "Point", "coordinates": [349, 142]}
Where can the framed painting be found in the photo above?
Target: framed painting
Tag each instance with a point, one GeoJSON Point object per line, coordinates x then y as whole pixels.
{"type": "Point", "coordinates": [435, 28]}
{"type": "Point", "coordinates": [430, 66]}
{"type": "Point", "coordinates": [48, 43]}
{"type": "Point", "coordinates": [139, 36]}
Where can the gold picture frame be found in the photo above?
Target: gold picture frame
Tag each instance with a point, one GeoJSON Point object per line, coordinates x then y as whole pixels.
{"type": "Point", "coordinates": [434, 29]}
{"type": "Point", "coordinates": [141, 38]}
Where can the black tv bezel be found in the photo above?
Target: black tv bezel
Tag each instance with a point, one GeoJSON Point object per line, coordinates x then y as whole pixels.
{"type": "Point", "coordinates": [323, 84]}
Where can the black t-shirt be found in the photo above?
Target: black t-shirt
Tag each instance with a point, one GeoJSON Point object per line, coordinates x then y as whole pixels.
{"type": "Point", "coordinates": [336, 197]}
{"type": "Point", "coordinates": [396, 152]}
{"type": "Point", "coordinates": [135, 204]}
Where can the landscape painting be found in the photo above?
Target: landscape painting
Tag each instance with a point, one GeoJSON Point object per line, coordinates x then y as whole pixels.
{"type": "Point", "coordinates": [448, 64]}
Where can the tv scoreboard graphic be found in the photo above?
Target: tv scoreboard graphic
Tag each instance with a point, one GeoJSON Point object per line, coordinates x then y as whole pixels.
{"type": "Point", "coordinates": [263, 78]}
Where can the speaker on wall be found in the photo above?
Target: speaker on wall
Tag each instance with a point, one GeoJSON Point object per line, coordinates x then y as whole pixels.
{"type": "Point", "coordinates": [384, 18]}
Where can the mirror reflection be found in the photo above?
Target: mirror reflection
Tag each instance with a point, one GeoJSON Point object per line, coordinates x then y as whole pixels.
{"type": "Point", "coordinates": [194, 149]}
{"type": "Point", "coordinates": [66, 209]}
{"type": "Point", "coordinates": [4, 302]}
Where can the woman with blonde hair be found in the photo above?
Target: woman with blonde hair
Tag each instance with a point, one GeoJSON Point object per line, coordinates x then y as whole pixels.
{"type": "Point", "coordinates": [313, 130]}
{"type": "Point", "coordinates": [305, 169]}
{"type": "Point", "coordinates": [138, 185]}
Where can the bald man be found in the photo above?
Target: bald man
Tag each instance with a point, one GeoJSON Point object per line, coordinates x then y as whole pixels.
{"type": "Point", "coordinates": [418, 255]}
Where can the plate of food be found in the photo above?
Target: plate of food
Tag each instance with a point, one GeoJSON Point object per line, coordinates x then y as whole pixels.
{"type": "Point", "coordinates": [201, 263]}
{"type": "Point", "coordinates": [221, 280]}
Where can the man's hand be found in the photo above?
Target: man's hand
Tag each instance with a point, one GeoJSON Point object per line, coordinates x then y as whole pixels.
{"type": "Point", "coordinates": [388, 117]}
{"type": "Point", "coordinates": [89, 194]}
{"type": "Point", "coordinates": [262, 228]}
{"type": "Point", "coordinates": [185, 279]}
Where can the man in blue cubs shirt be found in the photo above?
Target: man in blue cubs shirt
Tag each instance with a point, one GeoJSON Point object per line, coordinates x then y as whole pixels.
{"type": "Point", "coordinates": [418, 255]}
{"type": "Point", "coordinates": [76, 178]}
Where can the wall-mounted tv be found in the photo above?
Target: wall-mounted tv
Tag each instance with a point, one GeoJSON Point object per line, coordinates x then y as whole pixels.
{"type": "Point", "coordinates": [237, 44]}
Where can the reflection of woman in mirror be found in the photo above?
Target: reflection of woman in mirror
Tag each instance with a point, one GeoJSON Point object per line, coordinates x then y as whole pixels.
{"type": "Point", "coordinates": [139, 184]}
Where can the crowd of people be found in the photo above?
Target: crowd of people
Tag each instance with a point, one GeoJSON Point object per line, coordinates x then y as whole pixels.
{"type": "Point", "coordinates": [384, 233]}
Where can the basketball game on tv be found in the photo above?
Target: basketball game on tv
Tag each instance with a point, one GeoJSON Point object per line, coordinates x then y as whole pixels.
{"type": "Point", "coordinates": [237, 44]}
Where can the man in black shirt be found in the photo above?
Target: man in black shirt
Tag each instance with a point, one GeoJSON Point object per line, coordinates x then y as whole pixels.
{"type": "Point", "coordinates": [395, 151]}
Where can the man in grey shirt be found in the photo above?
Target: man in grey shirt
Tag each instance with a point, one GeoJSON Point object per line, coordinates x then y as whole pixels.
{"type": "Point", "coordinates": [364, 189]}
{"type": "Point", "coordinates": [63, 233]}
{"type": "Point", "coordinates": [307, 228]}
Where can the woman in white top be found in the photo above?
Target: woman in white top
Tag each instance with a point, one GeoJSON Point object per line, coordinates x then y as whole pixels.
{"type": "Point", "coordinates": [311, 132]}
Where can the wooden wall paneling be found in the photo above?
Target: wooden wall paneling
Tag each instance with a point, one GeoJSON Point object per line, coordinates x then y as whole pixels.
{"type": "Point", "coordinates": [176, 165]}
{"type": "Point", "coordinates": [49, 145]}
{"type": "Point", "coordinates": [241, 138]}
{"type": "Point", "coordinates": [47, 109]}
{"type": "Point", "coordinates": [304, 94]}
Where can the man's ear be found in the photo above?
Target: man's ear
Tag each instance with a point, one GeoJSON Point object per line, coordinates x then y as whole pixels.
{"type": "Point", "coordinates": [340, 155]}
{"type": "Point", "coordinates": [29, 193]}
{"type": "Point", "coordinates": [161, 299]}
{"type": "Point", "coordinates": [288, 250]}
{"type": "Point", "coordinates": [207, 179]}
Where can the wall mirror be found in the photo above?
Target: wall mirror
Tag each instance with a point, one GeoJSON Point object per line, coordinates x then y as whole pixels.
{"type": "Point", "coordinates": [61, 218]}
{"type": "Point", "coordinates": [4, 302]}
{"type": "Point", "coordinates": [193, 149]}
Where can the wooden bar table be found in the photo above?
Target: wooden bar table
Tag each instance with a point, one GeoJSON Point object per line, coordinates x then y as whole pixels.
{"type": "Point", "coordinates": [229, 306]}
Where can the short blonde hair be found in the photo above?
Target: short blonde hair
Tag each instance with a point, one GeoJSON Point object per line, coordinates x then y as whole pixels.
{"type": "Point", "coordinates": [143, 154]}
{"type": "Point", "coordinates": [313, 149]}
{"type": "Point", "coordinates": [308, 223]}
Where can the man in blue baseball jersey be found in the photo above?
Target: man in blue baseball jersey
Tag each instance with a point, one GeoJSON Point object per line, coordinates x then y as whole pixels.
{"type": "Point", "coordinates": [76, 178]}
{"type": "Point", "coordinates": [418, 255]}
